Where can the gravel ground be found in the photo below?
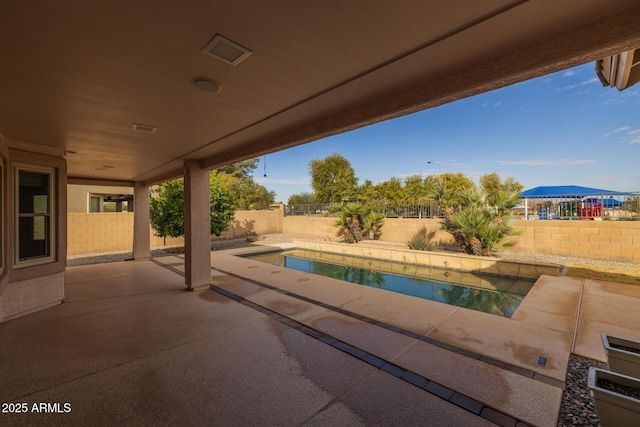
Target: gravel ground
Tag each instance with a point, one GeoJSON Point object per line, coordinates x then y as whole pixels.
{"type": "Point", "coordinates": [563, 260]}
{"type": "Point", "coordinates": [577, 405]}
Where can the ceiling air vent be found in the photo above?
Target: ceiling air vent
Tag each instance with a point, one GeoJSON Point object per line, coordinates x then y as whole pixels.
{"type": "Point", "coordinates": [226, 50]}
{"type": "Point", "coordinates": [143, 128]}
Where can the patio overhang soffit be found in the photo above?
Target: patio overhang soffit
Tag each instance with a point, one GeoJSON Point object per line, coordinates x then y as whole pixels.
{"type": "Point", "coordinates": [127, 91]}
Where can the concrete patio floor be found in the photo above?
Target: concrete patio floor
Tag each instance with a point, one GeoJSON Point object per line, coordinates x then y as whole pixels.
{"type": "Point", "coordinates": [269, 346]}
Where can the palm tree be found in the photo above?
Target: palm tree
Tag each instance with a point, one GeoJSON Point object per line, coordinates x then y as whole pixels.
{"type": "Point", "coordinates": [473, 196]}
{"type": "Point", "coordinates": [477, 228]}
{"type": "Point", "coordinates": [504, 200]}
{"type": "Point", "coordinates": [350, 223]}
{"type": "Point", "coordinates": [443, 195]}
{"type": "Point", "coordinates": [371, 225]}
{"type": "Point", "coordinates": [356, 223]}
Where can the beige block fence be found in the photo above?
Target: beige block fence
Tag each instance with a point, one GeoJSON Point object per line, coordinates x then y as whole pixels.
{"type": "Point", "coordinates": [99, 232]}
{"type": "Point", "coordinates": [91, 233]}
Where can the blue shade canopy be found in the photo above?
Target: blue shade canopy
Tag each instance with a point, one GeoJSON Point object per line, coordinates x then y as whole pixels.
{"type": "Point", "coordinates": [565, 191]}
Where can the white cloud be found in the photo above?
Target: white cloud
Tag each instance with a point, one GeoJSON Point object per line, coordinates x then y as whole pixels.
{"type": "Point", "coordinates": [497, 104]}
{"type": "Point", "coordinates": [618, 130]}
{"type": "Point", "coordinates": [621, 129]}
{"type": "Point", "coordinates": [546, 162]}
{"type": "Point", "coordinates": [613, 101]}
{"type": "Point", "coordinates": [629, 97]}
{"type": "Point", "coordinates": [570, 73]}
{"type": "Point", "coordinates": [584, 83]}
{"type": "Point", "coordinates": [295, 181]}
{"type": "Point", "coordinates": [629, 136]}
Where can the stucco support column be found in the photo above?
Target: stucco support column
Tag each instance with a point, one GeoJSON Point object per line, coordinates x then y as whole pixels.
{"type": "Point", "coordinates": [197, 225]}
{"type": "Point", "coordinates": [141, 221]}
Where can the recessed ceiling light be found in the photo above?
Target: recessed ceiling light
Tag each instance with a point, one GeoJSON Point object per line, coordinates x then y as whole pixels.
{"type": "Point", "coordinates": [226, 50]}
{"type": "Point", "coordinates": [143, 128]}
{"type": "Point", "coordinates": [207, 85]}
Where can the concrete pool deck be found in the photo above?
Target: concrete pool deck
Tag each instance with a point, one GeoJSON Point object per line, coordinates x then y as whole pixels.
{"type": "Point", "coordinates": [271, 346]}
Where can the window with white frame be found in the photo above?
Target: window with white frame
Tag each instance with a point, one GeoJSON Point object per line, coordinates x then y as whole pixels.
{"type": "Point", "coordinates": [34, 206]}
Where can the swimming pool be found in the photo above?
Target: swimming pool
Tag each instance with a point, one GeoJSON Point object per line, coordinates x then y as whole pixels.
{"type": "Point", "coordinates": [492, 294]}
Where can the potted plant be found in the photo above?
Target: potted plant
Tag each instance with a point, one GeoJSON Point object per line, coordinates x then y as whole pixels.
{"type": "Point", "coordinates": [623, 355]}
{"type": "Point", "coordinates": [616, 398]}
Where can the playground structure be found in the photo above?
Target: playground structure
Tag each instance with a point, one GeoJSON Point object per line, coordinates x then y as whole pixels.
{"type": "Point", "coordinates": [584, 209]}
{"type": "Point", "coordinates": [581, 203]}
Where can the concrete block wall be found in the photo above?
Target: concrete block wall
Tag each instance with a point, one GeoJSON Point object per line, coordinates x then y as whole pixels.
{"type": "Point", "coordinates": [310, 225]}
{"type": "Point", "coordinates": [93, 233]}
{"type": "Point", "coordinates": [393, 230]}
{"type": "Point", "coordinates": [98, 232]}
{"type": "Point", "coordinates": [616, 240]}
{"type": "Point", "coordinates": [401, 229]}
{"type": "Point", "coordinates": [259, 222]}
{"type": "Point", "coordinates": [245, 223]}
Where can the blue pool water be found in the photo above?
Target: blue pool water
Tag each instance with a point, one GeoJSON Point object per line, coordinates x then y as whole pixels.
{"type": "Point", "coordinates": [496, 295]}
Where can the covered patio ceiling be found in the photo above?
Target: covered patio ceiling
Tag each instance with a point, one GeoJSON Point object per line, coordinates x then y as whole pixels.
{"type": "Point", "coordinates": [76, 75]}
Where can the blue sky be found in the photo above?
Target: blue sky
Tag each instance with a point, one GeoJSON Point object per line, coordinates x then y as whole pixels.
{"type": "Point", "coordinates": [559, 129]}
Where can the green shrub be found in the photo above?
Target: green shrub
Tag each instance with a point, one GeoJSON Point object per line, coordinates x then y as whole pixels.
{"type": "Point", "coordinates": [478, 230]}
{"type": "Point", "coordinates": [167, 210]}
{"type": "Point", "coordinates": [371, 225]}
{"type": "Point", "coordinates": [357, 223]}
{"type": "Point", "coordinates": [422, 240]}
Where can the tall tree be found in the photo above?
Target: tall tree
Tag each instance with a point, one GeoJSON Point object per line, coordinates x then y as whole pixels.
{"type": "Point", "coordinates": [222, 202]}
{"type": "Point", "coordinates": [414, 188]}
{"type": "Point", "coordinates": [447, 188]}
{"type": "Point", "coordinates": [167, 208]}
{"type": "Point", "coordinates": [490, 183]}
{"type": "Point", "coordinates": [301, 199]}
{"type": "Point", "coordinates": [238, 179]}
{"type": "Point", "coordinates": [332, 179]}
{"type": "Point", "coordinates": [390, 189]}
{"type": "Point", "coordinates": [501, 196]}
{"type": "Point", "coordinates": [364, 192]}
{"type": "Point", "coordinates": [241, 169]}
